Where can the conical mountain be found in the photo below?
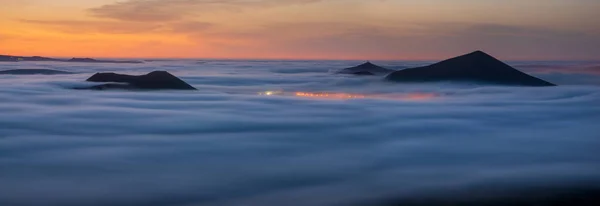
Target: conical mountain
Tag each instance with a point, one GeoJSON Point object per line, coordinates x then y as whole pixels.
{"type": "Point", "coordinates": [367, 68]}
{"type": "Point", "coordinates": [475, 67]}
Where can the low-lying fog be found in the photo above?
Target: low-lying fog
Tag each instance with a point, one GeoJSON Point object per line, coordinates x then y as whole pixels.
{"type": "Point", "coordinates": [288, 133]}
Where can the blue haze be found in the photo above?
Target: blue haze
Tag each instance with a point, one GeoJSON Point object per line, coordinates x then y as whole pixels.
{"type": "Point", "coordinates": [226, 145]}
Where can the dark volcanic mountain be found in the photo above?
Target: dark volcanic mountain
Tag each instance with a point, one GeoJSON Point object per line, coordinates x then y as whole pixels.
{"type": "Point", "coordinates": [152, 81]}
{"type": "Point", "coordinates": [33, 71]}
{"type": "Point", "coordinates": [366, 69]}
{"type": "Point", "coordinates": [475, 67]}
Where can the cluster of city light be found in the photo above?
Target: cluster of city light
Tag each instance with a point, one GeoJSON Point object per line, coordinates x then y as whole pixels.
{"type": "Point", "coordinates": [270, 93]}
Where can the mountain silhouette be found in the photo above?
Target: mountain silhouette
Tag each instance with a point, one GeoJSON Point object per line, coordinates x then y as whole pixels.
{"type": "Point", "coordinates": [8, 58]}
{"type": "Point", "coordinates": [21, 58]}
{"type": "Point", "coordinates": [364, 73]}
{"type": "Point", "coordinates": [5, 58]}
{"type": "Point", "coordinates": [367, 68]}
{"type": "Point", "coordinates": [474, 67]}
{"type": "Point", "coordinates": [90, 60]}
{"type": "Point", "coordinates": [155, 80]}
{"type": "Point", "coordinates": [33, 71]}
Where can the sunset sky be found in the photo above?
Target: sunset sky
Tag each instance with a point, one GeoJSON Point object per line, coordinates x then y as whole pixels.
{"type": "Point", "coordinates": [302, 29]}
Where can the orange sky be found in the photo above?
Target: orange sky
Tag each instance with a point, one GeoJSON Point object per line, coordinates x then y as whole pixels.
{"type": "Point", "coordinates": [301, 29]}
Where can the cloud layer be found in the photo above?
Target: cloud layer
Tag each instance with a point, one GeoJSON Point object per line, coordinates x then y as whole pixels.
{"type": "Point", "coordinates": [226, 145]}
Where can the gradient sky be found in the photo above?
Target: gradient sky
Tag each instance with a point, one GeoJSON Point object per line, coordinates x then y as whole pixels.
{"type": "Point", "coordinates": [302, 29]}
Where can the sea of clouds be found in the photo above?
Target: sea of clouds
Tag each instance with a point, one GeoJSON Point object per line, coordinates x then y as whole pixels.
{"type": "Point", "coordinates": [227, 145]}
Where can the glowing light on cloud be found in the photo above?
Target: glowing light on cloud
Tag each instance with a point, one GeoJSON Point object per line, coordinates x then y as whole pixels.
{"type": "Point", "coordinates": [419, 96]}
{"type": "Point", "coordinates": [416, 96]}
{"type": "Point", "coordinates": [326, 95]}
{"type": "Point", "coordinates": [402, 97]}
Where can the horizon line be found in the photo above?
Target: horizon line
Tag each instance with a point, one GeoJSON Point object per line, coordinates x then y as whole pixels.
{"type": "Point", "coordinates": [289, 59]}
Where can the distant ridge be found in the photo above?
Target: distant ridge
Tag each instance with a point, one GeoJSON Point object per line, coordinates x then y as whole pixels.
{"type": "Point", "coordinates": [5, 58]}
{"type": "Point", "coordinates": [475, 67]}
{"type": "Point", "coordinates": [90, 60]}
{"type": "Point", "coordinates": [8, 58]}
{"type": "Point", "coordinates": [367, 68]}
{"type": "Point", "coordinates": [32, 72]}
{"type": "Point", "coordinates": [155, 80]}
